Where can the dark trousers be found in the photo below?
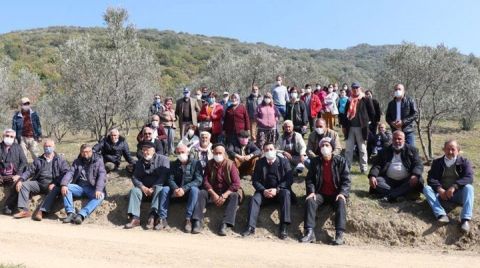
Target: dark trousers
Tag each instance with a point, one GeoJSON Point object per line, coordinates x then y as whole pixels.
{"type": "Point", "coordinates": [339, 207]}
{"type": "Point", "coordinates": [21, 199]}
{"type": "Point", "coordinates": [395, 188]}
{"type": "Point", "coordinates": [283, 197]}
{"type": "Point", "coordinates": [230, 209]}
{"type": "Point", "coordinates": [311, 122]}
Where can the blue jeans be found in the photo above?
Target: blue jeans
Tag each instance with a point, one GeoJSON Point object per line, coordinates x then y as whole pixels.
{"type": "Point", "coordinates": [282, 109]}
{"type": "Point", "coordinates": [410, 138]}
{"type": "Point", "coordinates": [462, 196]}
{"type": "Point", "coordinates": [49, 199]}
{"type": "Point", "coordinates": [192, 196]}
{"type": "Point", "coordinates": [75, 190]}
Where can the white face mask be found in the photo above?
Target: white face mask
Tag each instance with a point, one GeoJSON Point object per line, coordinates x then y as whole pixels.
{"type": "Point", "coordinates": [114, 140]}
{"type": "Point", "coordinates": [270, 155]}
{"type": "Point", "coordinates": [225, 99]}
{"type": "Point", "coordinates": [308, 90]}
{"type": "Point", "coordinates": [279, 83]}
{"type": "Point", "coordinates": [330, 90]}
{"type": "Point", "coordinates": [398, 93]}
{"type": "Point", "coordinates": [294, 95]}
{"type": "Point", "coordinates": [267, 100]}
{"type": "Point", "coordinates": [199, 97]}
{"type": "Point", "coordinates": [25, 107]}
{"type": "Point", "coordinates": [218, 158]}
{"type": "Point", "coordinates": [191, 132]}
{"type": "Point", "coordinates": [326, 151]}
{"type": "Point", "coordinates": [148, 157]}
{"type": "Point", "coordinates": [319, 130]}
{"type": "Point", "coordinates": [8, 141]}
{"type": "Point", "coordinates": [155, 124]}
{"type": "Point", "coordinates": [318, 87]}
{"type": "Point", "coordinates": [183, 157]}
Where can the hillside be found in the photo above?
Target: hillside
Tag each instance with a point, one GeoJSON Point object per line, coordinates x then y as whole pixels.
{"type": "Point", "coordinates": [183, 56]}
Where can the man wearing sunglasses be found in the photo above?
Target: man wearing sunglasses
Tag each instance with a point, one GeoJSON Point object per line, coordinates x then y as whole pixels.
{"type": "Point", "coordinates": [26, 124]}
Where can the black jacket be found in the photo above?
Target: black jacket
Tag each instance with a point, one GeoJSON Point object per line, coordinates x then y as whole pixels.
{"type": "Point", "coordinates": [158, 148]}
{"type": "Point", "coordinates": [378, 111]}
{"type": "Point", "coordinates": [192, 177]}
{"type": "Point", "coordinates": [464, 171]}
{"type": "Point", "coordinates": [284, 174]}
{"type": "Point", "coordinates": [235, 148]}
{"type": "Point", "coordinates": [14, 156]}
{"type": "Point", "coordinates": [59, 169]}
{"type": "Point", "coordinates": [410, 159]}
{"type": "Point", "coordinates": [300, 115]}
{"type": "Point", "coordinates": [340, 173]}
{"type": "Point", "coordinates": [409, 114]}
{"type": "Point", "coordinates": [151, 173]}
{"type": "Point", "coordinates": [366, 113]}
{"type": "Point", "coordinates": [113, 152]}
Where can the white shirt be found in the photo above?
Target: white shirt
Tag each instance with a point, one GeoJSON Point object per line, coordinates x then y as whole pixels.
{"type": "Point", "coordinates": [396, 170]}
{"type": "Point", "coordinates": [399, 110]}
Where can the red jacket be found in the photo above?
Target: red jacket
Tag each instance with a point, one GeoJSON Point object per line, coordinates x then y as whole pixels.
{"type": "Point", "coordinates": [236, 120]}
{"type": "Point", "coordinates": [215, 116]}
{"type": "Point", "coordinates": [315, 104]}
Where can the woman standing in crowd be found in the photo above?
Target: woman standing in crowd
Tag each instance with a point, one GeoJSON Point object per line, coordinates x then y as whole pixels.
{"type": "Point", "coordinates": [267, 116]}
{"type": "Point", "coordinates": [168, 120]}
{"type": "Point", "coordinates": [236, 119]}
{"type": "Point", "coordinates": [210, 117]}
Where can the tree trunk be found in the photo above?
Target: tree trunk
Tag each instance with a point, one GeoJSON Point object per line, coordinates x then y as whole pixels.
{"type": "Point", "coordinates": [420, 137]}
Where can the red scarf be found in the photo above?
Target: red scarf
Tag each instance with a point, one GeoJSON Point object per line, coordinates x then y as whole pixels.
{"type": "Point", "coordinates": [352, 108]}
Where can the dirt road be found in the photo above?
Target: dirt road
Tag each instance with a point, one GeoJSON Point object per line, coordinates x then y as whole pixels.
{"type": "Point", "coordinates": [52, 244]}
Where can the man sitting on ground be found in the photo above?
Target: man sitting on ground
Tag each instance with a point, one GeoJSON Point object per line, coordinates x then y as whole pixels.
{"type": "Point", "coordinates": [111, 148]}
{"type": "Point", "coordinates": [397, 170]}
{"type": "Point", "coordinates": [245, 154]}
{"type": "Point", "coordinates": [451, 180]}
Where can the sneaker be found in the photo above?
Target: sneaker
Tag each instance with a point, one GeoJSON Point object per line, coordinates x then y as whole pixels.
{"type": "Point", "coordinates": [443, 219]}
{"type": "Point", "coordinates": [161, 224]}
{"type": "Point", "coordinates": [249, 231]}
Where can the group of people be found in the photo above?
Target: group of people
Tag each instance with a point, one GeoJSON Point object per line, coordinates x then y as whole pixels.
{"type": "Point", "coordinates": [224, 141]}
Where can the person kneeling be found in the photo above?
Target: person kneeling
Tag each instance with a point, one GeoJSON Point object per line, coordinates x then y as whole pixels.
{"type": "Point", "coordinates": [272, 180]}
{"type": "Point", "coordinates": [397, 170]}
{"type": "Point", "coordinates": [221, 185]}
{"type": "Point", "coordinates": [86, 177]}
{"type": "Point", "coordinates": [184, 180]}
{"type": "Point", "coordinates": [149, 178]}
{"type": "Point", "coordinates": [245, 154]}
{"type": "Point", "coordinates": [328, 181]}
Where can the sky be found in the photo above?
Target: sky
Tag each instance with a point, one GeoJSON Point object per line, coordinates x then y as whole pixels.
{"type": "Point", "coordinates": [287, 23]}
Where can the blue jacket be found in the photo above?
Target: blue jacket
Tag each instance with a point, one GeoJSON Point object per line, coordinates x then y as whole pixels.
{"type": "Point", "coordinates": [17, 124]}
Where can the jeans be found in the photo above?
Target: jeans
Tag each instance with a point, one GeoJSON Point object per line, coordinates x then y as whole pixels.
{"type": "Point", "coordinates": [75, 190]}
{"type": "Point", "coordinates": [191, 195]}
{"type": "Point", "coordinates": [282, 109]}
{"type": "Point", "coordinates": [462, 196]}
{"type": "Point", "coordinates": [170, 139]}
{"type": "Point", "coordinates": [49, 199]}
{"type": "Point", "coordinates": [158, 199]}
{"type": "Point", "coordinates": [410, 138]}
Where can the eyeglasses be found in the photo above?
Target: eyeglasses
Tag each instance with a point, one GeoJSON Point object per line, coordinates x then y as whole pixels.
{"type": "Point", "coordinates": [9, 136]}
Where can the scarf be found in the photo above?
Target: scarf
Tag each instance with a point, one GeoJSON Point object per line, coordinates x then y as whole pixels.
{"type": "Point", "coordinates": [352, 109]}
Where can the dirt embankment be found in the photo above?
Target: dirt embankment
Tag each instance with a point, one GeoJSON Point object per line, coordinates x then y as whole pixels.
{"type": "Point", "coordinates": [369, 222]}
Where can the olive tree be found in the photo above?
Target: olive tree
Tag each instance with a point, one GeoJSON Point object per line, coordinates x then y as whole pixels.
{"type": "Point", "coordinates": [109, 84]}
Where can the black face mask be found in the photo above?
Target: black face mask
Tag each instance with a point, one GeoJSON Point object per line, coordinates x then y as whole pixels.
{"type": "Point", "coordinates": [86, 160]}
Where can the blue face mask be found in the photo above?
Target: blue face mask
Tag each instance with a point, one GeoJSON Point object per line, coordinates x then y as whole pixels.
{"type": "Point", "coordinates": [157, 101]}
{"type": "Point", "coordinates": [48, 150]}
{"type": "Point", "coordinates": [211, 100]}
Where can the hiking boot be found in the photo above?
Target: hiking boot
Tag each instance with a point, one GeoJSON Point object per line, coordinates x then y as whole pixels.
{"type": "Point", "coordinates": [69, 218]}
{"type": "Point", "coordinates": [309, 236]}
{"type": "Point", "coordinates": [443, 219]}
